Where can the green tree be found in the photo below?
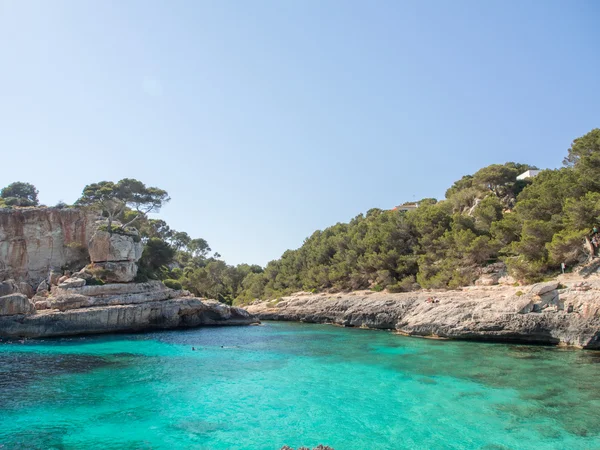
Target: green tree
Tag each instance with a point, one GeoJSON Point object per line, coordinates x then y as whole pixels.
{"type": "Point", "coordinates": [198, 247]}
{"type": "Point", "coordinates": [496, 177]}
{"type": "Point", "coordinates": [112, 199]}
{"type": "Point", "coordinates": [156, 257]}
{"type": "Point", "coordinates": [20, 194]}
{"type": "Point", "coordinates": [180, 240]}
{"type": "Point", "coordinates": [584, 158]}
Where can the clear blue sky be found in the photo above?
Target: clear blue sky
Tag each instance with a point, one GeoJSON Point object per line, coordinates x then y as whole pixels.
{"type": "Point", "coordinates": [267, 120]}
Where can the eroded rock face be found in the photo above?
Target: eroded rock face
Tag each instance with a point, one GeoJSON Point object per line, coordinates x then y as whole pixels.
{"type": "Point", "coordinates": [33, 241]}
{"type": "Point", "coordinates": [8, 287]}
{"type": "Point", "coordinates": [14, 304]}
{"type": "Point", "coordinates": [116, 271]}
{"type": "Point", "coordinates": [104, 246]}
{"type": "Point", "coordinates": [567, 316]}
{"type": "Point", "coordinates": [115, 255]}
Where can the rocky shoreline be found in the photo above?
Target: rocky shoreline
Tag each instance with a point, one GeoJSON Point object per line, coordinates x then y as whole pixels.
{"type": "Point", "coordinates": [112, 308]}
{"type": "Point", "coordinates": [545, 313]}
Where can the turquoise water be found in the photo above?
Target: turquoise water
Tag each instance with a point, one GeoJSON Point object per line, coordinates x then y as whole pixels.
{"type": "Point", "coordinates": [295, 384]}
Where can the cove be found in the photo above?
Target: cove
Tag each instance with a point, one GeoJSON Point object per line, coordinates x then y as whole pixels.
{"type": "Point", "coordinates": [295, 384]}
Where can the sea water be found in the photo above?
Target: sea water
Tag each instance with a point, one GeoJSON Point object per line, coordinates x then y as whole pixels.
{"type": "Point", "coordinates": [265, 386]}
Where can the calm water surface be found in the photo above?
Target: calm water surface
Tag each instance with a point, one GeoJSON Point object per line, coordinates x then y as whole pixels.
{"type": "Point", "coordinates": [294, 384]}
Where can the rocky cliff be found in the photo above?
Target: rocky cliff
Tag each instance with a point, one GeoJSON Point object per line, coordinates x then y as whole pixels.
{"type": "Point", "coordinates": [540, 313]}
{"type": "Point", "coordinates": [50, 249]}
{"type": "Point", "coordinates": [34, 241]}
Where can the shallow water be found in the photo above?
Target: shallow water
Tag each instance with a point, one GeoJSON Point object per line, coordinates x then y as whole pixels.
{"type": "Point", "coordinates": [294, 384]}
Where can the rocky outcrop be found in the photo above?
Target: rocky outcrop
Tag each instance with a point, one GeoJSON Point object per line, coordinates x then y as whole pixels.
{"type": "Point", "coordinates": [166, 314]}
{"type": "Point", "coordinates": [73, 309]}
{"type": "Point", "coordinates": [33, 241]}
{"type": "Point", "coordinates": [114, 255]}
{"type": "Point", "coordinates": [539, 314]}
{"type": "Point", "coordinates": [42, 247]}
{"type": "Point", "coordinates": [13, 304]}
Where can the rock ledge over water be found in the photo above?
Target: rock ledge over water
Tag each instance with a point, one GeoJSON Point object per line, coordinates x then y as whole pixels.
{"type": "Point", "coordinates": [72, 309]}
{"type": "Point", "coordinates": [541, 313]}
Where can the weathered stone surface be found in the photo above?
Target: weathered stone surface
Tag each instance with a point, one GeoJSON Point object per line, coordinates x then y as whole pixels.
{"type": "Point", "coordinates": [42, 288]}
{"type": "Point", "coordinates": [70, 283]}
{"type": "Point", "coordinates": [481, 313]}
{"type": "Point", "coordinates": [26, 289]}
{"type": "Point", "coordinates": [488, 279]}
{"type": "Point", "coordinates": [8, 287]}
{"type": "Point", "coordinates": [542, 288]}
{"type": "Point", "coordinates": [84, 274]}
{"type": "Point", "coordinates": [116, 271]}
{"type": "Point", "coordinates": [65, 299]}
{"type": "Point", "coordinates": [114, 256]}
{"type": "Point", "coordinates": [35, 240]}
{"type": "Point", "coordinates": [113, 289]}
{"type": "Point", "coordinates": [13, 304]}
{"type": "Point", "coordinates": [68, 301]}
{"type": "Point", "coordinates": [104, 246]}
{"type": "Point", "coordinates": [507, 280]}
{"type": "Point", "coordinates": [166, 314]}
{"type": "Point", "coordinates": [41, 303]}
{"type": "Point", "coordinates": [54, 277]}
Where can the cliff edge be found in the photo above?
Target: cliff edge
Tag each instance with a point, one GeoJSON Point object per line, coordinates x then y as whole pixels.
{"type": "Point", "coordinates": [34, 241]}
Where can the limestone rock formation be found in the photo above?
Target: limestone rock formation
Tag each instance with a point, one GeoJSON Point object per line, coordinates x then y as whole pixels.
{"type": "Point", "coordinates": [114, 255]}
{"type": "Point", "coordinates": [13, 304]}
{"type": "Point", "coordinates": [104, 246]}
{"type": "Point", "coordinates": [541, 314]}
{"type": "Point", "coordinates": [8, 287]}
{"type": "Point", "coordinates": [33, 241]}
{"type": "Point", "coordinates": [73, 309]}
{"type": "Point", "coordinates": [493, 274]}
{"type": "Point", "coordinates": [11, 287]}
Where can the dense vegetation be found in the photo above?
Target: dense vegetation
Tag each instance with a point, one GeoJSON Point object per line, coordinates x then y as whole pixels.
{"type": "Point", "coordinates": [532, 225]}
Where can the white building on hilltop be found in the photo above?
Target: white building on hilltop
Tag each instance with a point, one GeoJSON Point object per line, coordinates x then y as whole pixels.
{"type": "Point", "coordinates": [408, 206]}
{"type": "Point", "coordinates": [528, 174]}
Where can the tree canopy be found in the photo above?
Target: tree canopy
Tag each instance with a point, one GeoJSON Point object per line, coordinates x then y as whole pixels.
{"type": "Point", "coordinates": [113, 199]}
{"type": "Point", "coordinates": [20, 194]}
